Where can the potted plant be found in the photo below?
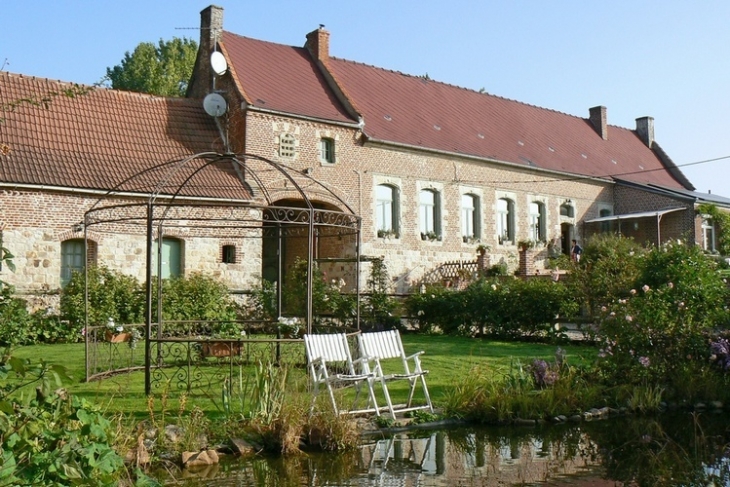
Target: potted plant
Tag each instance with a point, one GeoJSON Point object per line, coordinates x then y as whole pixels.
{"type": "Point", "coordinates": [289, 327]}
{"type": "Point", "coordinates": [387, 234]}
{"type": "Point", "coordinates": [225, 342]}
{"type": "Point", "coordinates": [116, 333]}
{"type": "Point", "coordinates": [525, 244]}
{"type": "Point", "coordinates": [430, 236]}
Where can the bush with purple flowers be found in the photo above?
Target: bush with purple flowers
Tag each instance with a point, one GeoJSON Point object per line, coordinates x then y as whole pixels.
{"type": "Point", "coordinates": [720, 353]}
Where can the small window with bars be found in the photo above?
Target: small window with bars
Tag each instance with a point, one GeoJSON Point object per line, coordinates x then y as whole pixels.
{"type": "Point", "coordinates": [287, 145]}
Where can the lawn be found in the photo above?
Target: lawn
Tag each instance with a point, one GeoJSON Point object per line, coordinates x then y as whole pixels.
{"type": "Point", "coordinates": [447, 358]}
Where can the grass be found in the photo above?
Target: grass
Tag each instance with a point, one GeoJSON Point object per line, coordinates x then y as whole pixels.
{"type": "Point", "coordinates": [448, 359]}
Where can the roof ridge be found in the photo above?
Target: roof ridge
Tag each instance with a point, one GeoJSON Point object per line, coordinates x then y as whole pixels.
{"type": "Point", "coordinates": [95, 87]}
{"type": "Point", "coordinates": [450, 85]}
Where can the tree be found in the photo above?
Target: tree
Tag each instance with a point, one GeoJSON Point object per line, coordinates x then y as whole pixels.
{"type": "Point", "coordinates": [162, 70]}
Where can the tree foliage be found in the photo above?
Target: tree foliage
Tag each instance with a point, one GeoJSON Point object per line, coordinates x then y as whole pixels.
{"type": "Point", "coordinates": [163, 69]}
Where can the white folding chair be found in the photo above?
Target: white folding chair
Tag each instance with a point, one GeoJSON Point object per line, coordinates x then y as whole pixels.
{"type": "Point", "coordinates": [328, 353]}
{"type": "Point", "coordinates": [383, 345]}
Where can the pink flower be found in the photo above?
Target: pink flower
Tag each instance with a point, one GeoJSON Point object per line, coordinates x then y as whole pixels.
{"type": "Point", "coordinates": [604, 309]}
{"type": "Point", "coordinates": [644, 361]}
{"type": "Point", "coordinates": [629, 318]}
{"type": "Point", "coordinates": [633, 291]}
{"type": "Point", "coordinates": [645, 288]}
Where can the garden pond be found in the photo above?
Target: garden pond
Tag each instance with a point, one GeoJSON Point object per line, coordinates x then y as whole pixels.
{"type": "Point", "coordinates": [688, 449]}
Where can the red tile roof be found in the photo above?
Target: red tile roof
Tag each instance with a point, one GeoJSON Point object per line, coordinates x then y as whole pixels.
{"type": "Point", "coordinates": [99, 138]}
{"type": "Point", "coordinates": [281, 78]}
{"type": "Point", "coordinates": [424, 113]}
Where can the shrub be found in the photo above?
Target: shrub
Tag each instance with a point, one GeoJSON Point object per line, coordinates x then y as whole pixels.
{"type": "Point", "coordinates": [111, 295]}
{"type": "Point", "coordinates": [608, 268]}
{"type": "Point", "coordinates": [657, 335]}
{"type": "Point", "coordinates": [377, 312]}
{"type": "Point", "coordinates": [16, 326]}
{"type": "Point", "coordinates": [50, 438]}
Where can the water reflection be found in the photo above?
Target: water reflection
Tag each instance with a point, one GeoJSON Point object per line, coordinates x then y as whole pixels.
{"type": "Point", "coordinates": [681, 449]}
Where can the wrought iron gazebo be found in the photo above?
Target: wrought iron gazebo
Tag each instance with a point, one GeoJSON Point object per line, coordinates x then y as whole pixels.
{"type": "Point", "coordinates": [273, 212]}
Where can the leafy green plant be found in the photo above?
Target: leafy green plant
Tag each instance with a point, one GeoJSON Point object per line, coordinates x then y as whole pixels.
{"type": "Point", "coordinates": [659, 331]}
{"type": "Point", "coordinates": [111, 295]}
{"type": "Point", "coordinates": [51, 438]}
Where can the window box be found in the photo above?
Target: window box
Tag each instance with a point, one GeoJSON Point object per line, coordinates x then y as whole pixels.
{"type": "Point", "coordinates": [387, 234]}
{"type": "Point", "coordinates": [430, 236]}
{"type": "Point", "coordinates": [221, 348]}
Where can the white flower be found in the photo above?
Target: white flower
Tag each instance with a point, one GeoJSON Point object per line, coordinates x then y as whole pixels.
{"type": "Point", "coordinates": [645, 288]}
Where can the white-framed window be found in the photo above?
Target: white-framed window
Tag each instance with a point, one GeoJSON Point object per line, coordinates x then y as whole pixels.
{"type": "Point", "coordinates": [386, 210]}
{"type": "Point", "coordinates": [327, 150]}
{"type": "Point", "coordinates": [538, 230]}
{"type": "Point", "coordinates": [74, 258]}
{"type": "Point", "coordinates": [287, 145]}
{"type": "Point", "coordinates": [470, 228]}
{"type": "Point", "coordinates": [505, 221]}
{"type": "Point", "coordinates": [708, 234]}
{"type": "Point", "coordinates": [428, 214]}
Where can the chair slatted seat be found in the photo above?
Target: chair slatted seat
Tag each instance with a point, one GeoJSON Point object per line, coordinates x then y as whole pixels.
{"type": "Point", "coordinates": [331, 352]}
{"type": "Point", "coordinates": [385, 345]}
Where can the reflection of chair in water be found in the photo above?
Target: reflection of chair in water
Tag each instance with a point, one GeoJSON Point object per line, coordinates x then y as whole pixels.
{"type": "Point", "coordinates": [385, 345]}
{"type": "Point", "coordinates": [393, 459]}
{"type": "Point", "coordinates": [328, 354]}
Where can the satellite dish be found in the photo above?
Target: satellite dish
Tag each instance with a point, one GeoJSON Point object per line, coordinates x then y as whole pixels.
{"type": "Point", "coordinates": [215, 105]}
{"type": "Point", "coordinates": [218, 63]}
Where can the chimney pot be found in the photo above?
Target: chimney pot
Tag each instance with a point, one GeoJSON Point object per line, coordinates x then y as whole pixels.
{"type": "Point", "coordinates": [645, 130]}
{"type": "Point", "coordinates": [597, 117]}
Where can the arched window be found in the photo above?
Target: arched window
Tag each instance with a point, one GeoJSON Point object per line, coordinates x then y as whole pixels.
{"type": "Point", "coordinates": [538, 231]}
{"type": "Point", "coordinates": [567, 210]}
{"type": "Point", "coordinates": [470, 228]}
{"type": "Point", "coordinates": [74, 258]}
{"type": "Point", "coordinates": [386, 209]}
{"type": "Point", "coordinates": [171, 258]}
{"type": "Point", "coordinates": [505, 221]}
{"type": "Point", "coordinates": [428, 212]}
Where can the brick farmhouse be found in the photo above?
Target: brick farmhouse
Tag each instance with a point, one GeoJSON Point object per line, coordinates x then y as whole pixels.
{"type": "Point", "coordinates": [434, 171]}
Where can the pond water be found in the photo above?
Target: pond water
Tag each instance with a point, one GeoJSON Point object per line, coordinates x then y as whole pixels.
{"type": "Point", "coordinates": [688, 449]}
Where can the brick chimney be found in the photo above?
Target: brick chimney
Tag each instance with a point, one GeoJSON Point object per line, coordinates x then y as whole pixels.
{"type": "Point", "coordinates": [598, 119]}
{"type": "Point", "coordinates": [318, 44]}
{"type": "Point", "coordinates": [645, 130]}
{"type": "Point", "coordinates": [211, 28]}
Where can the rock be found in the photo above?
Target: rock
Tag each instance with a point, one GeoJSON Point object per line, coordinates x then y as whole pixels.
{"type": "Point", "coordinates": [242, 447]}
{"type": "Point", "coordinates": [576, 418]}
{"type": "Point", "coordinates": [199, 459]}
{"type": "Point", "coordinates": [139, 454]}
{"type": "Point", "coordinates": [173, 433]}
{"type": "Point", "coordinates": [716, 404]}
{"type": "Point", "coordinates": [562, 418]}
{"type": "Point", "coordinates": [700, 406]}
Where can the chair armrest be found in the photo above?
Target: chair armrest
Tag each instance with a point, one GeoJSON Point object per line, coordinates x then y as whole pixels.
{"type": "Point", "coordinates": [415, 355]}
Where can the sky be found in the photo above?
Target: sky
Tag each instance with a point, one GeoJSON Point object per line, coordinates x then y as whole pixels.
{"type": "Point", "coordinates": [667, 59]}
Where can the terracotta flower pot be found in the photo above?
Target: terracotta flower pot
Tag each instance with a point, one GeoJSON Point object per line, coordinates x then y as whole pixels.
{"type": "Point", "coordinates": [117, 337]}
{"type": "Point", "coordinates": [221, 349]}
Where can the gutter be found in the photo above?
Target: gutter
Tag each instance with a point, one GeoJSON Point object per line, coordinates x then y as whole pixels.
{"type": "Point", "coordinates": [278, 113]}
